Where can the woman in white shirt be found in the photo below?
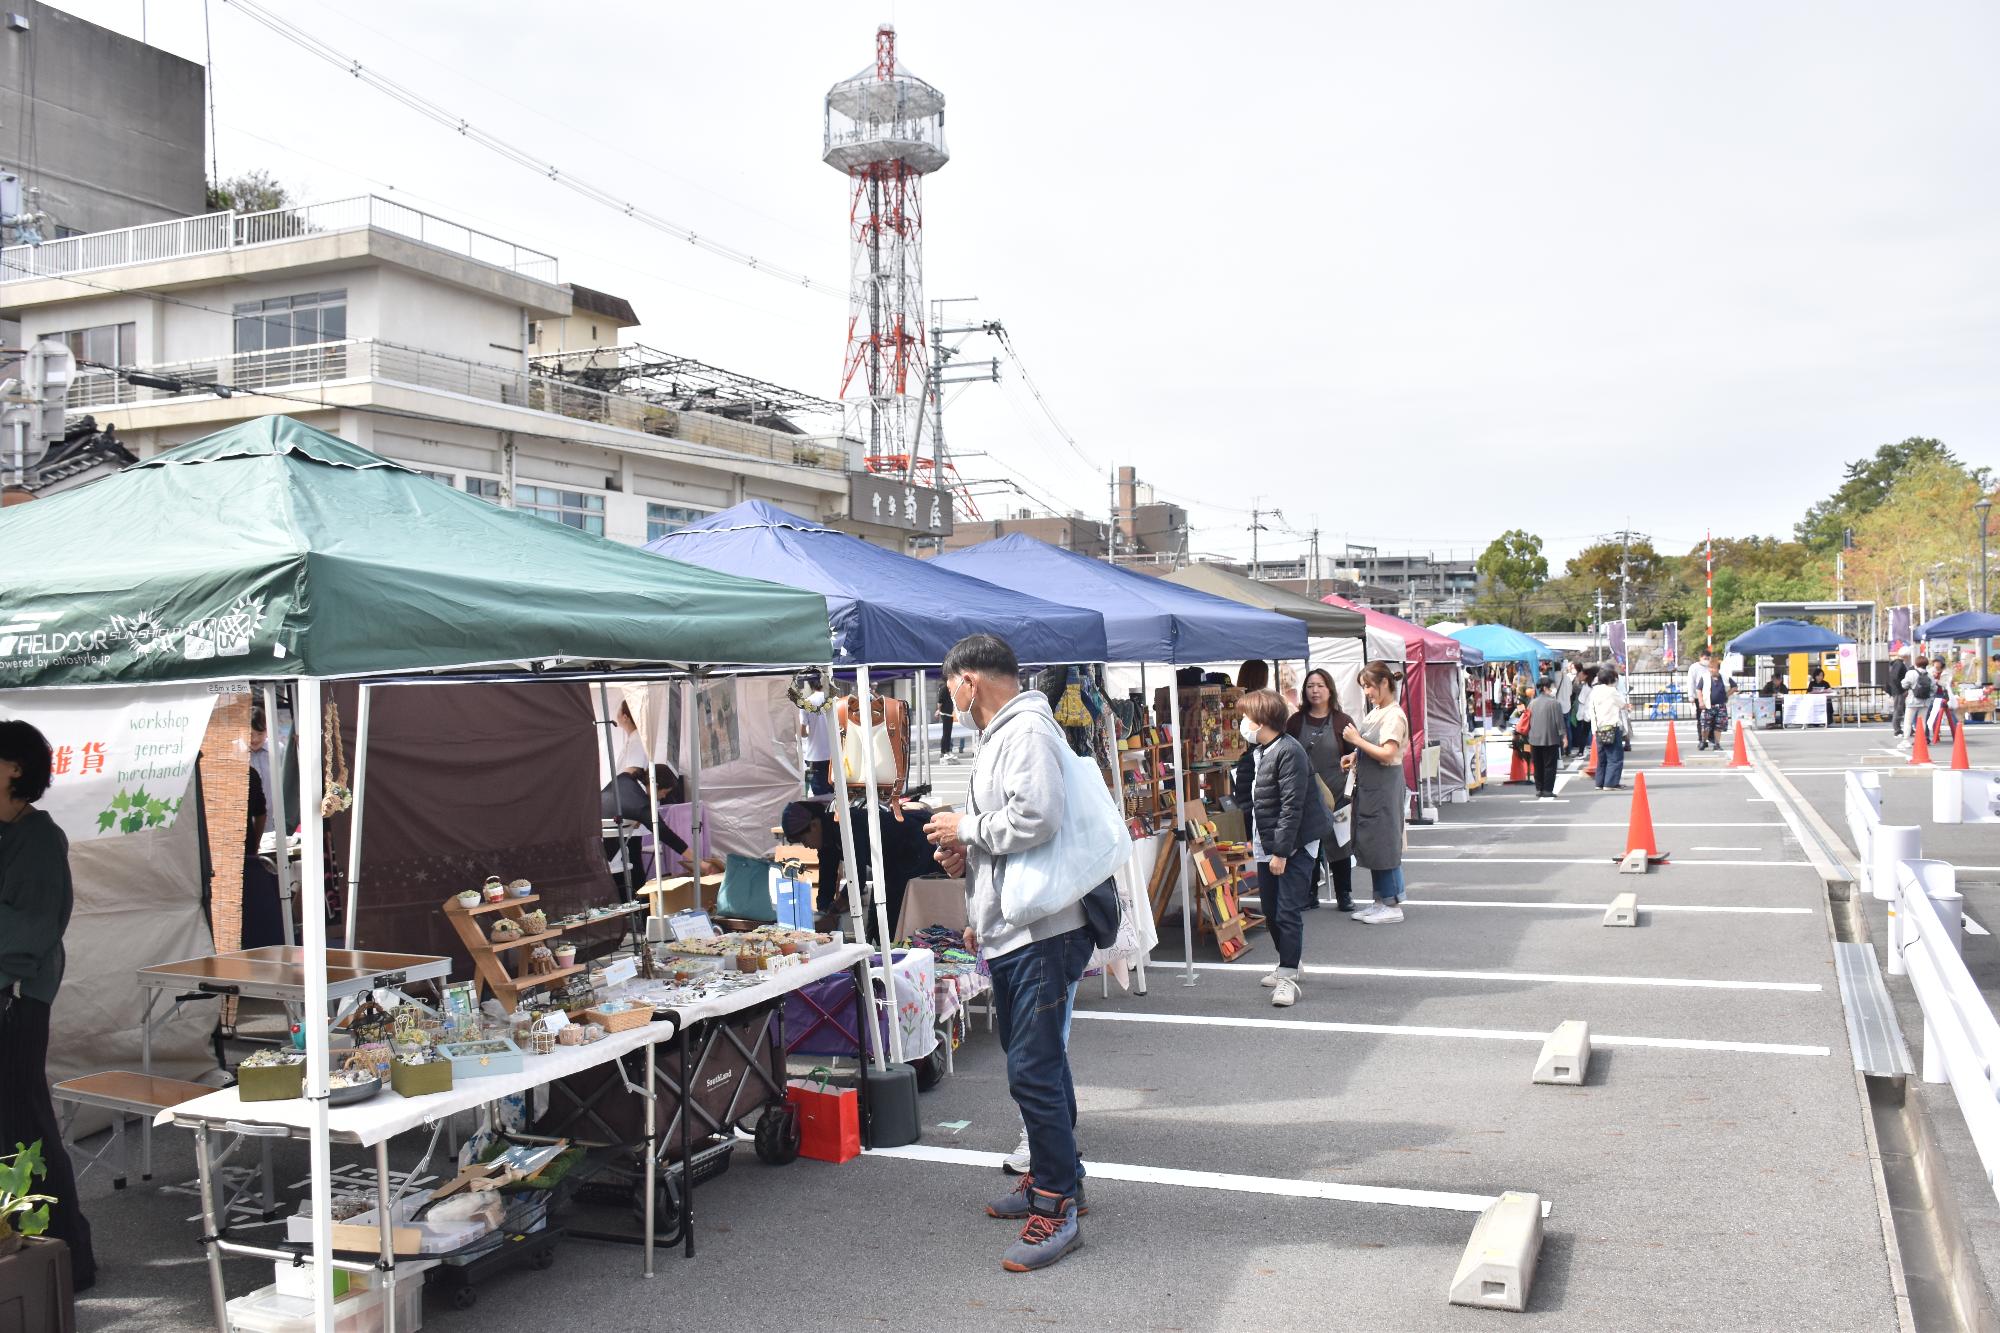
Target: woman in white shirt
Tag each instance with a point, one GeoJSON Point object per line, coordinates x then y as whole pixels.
{"type": "Point", "coordinates": [1610, 723]}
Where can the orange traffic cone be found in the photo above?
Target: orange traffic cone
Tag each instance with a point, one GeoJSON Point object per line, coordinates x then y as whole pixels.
{"type": "Point", "coordinates": [1673, 759]}
{"type": "Point", "coordinates": [1590, 769]}
{"type": "Point", "coordinates": [1639, 831]}
{"type": "Point", "coordinates": [1741, 758]}
{"type": "Point", "coordinates": [1959, 759]}
{"type": "Point", "coordinates": [1920, 747]}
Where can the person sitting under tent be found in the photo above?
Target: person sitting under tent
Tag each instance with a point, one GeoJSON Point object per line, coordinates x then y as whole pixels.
{"type": "Point", "coordinates": [906, 853]}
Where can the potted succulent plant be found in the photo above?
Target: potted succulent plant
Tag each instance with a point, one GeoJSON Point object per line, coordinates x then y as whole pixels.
{"type": "Point", "coordinates": [34, 1272]}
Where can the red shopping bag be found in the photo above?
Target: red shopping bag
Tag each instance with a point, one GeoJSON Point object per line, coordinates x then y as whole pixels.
{"type": "Point", "coordinates": [829, 1119]}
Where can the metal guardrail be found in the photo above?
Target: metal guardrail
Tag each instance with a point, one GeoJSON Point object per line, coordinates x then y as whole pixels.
{"type": "Point", "coordinates": [1926, 939]}
{"type": "Point", "coordinates": [288, 368]}
{"type": "Point", "coordinates": [212, 233]}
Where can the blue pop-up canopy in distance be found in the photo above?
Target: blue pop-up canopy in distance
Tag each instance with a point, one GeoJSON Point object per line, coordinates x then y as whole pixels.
{"type": "Point", "coordinates": [1146, 619]}
{"type": "Point", "coordinates": [1500, 643]}
{"type": "Point", "coordinates": [885, 609]}
{"type": "Point", "coordinates": [1775, 638]}
{"type": "Point", "coordinates": [1961, 625]}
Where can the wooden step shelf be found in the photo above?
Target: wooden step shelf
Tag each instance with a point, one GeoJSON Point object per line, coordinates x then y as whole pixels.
{"type": "Point", "coordinates": [488, 959]}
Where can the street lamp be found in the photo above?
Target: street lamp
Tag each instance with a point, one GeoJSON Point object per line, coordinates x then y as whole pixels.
{"type": "Point", "coordinates": [1985, 508]}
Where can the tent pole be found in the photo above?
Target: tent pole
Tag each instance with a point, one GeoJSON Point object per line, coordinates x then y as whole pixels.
{"type": "Point", "coordinates": [311, 743]}
{"type": "Point", "coordinates": [920, 727]}
{"type": "Point", "coordinates": [695, 685]}
{"type": "Point", "coordinates": [354, 819]}
{"type": "Point", "coordinates": [281, 834]}
{"type": "Point", "coordinates": [857, 913]}
{"type": "Point", "coordinates": [878, 889]}
{"type": "Point", "coordinates": [1179, 752]}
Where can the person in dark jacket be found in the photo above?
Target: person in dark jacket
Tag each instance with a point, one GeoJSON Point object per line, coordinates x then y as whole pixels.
{"type": "Point", "coordinates": [35, 902]}
{"type": "Point", "coordinates": [1546, 728]}
{"type": "Point", "coordinates": [1289, 822]}
{"type": "Point", "coordinates": [1318, 726]}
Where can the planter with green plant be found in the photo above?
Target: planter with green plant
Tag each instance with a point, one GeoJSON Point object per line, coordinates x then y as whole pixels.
{"type": "Point", "coordinates": [36, 1289]}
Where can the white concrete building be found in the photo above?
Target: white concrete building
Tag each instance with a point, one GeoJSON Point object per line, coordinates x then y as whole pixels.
{"type": "Point", "coordinates": [417, 338]}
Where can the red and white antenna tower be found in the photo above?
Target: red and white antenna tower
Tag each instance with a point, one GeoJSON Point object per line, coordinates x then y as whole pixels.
{"type": "Point", "coordinates": [885, 130]}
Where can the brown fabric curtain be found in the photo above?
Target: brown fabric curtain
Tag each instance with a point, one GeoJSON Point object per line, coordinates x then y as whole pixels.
{"type": "Point", "coordinates": [466, 781]}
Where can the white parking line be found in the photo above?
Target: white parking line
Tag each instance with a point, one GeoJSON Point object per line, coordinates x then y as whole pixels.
{"type": "Point", "coordinates": [1973, 927]}
{"type": "Point", "coordinates": [1456, 824]}
{"type": "Point", "coordinates": [1587, 861]}
{"type": "Point", "coordinates": [1729, 849]}
{"type": "Point", "coordinates": [1220, 1180]}
{"type": "Point", "coordinates": [1445, 974]}
{"type": "Point", "coordinates": [1475, 1034]}
{"type": "Point", "coordinates": [1421, 901]}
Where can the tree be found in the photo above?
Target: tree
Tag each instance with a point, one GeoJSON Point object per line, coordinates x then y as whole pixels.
{"type": "Point", "coordinates": [1923, 531]}
{"type": "Point", "coordinates": [1868, 483]}
{"type": "Point", "coordinates": [1748, 570]}
{"type": "Point", "coordinates": [1596, 569]}
{"type": "Point", "coordinates": [1515, 566]}
{"type": "Point", "coordinates": [253, 191]}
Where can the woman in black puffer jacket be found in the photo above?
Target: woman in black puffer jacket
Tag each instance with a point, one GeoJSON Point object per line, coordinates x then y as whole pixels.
{"type": "Point", "coordinates": [1288, 821]}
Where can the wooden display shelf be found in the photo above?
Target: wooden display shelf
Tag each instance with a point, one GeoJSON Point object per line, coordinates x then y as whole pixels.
{"type": "Point", "coordinates": [500, 906]}
{"type": "Point", "coordinates": [521, 943]}
{"type": "Point", "coordinates": [544, 978]}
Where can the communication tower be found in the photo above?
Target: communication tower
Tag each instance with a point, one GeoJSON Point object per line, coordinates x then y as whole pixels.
{"type": "Point", "coordinates": [885, 131]}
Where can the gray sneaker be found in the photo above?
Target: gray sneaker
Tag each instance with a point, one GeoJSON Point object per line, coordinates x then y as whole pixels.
{"type": "Point", "coordinates": [1015, 1203]}
{"type": "Point", "coordinates": [1051, 1233]}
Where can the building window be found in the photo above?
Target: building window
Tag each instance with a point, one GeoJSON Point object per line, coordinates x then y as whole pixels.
{"type": "Point", "coordinates": [486, 488]}
{"type": "Point", "coordinates": [444, 477]}
{"type": "Point", "coordinates": [663, 519]}
{"type": "Point", "coordinates": [534, 333]}
{"type": "Point", "coordinates": [107, 344]}
{"type": "Point", "coordinates": [291, 321]}
{"type": "Point", "coordinates": [574, 509]}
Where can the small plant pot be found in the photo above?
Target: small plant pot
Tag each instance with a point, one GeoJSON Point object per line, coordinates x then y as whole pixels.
{"type": "Point", "coordinates": [469, 899]}
{"type": "Point", "coordinates": [566, 956]}
{"type": "Point", "coordinates": [496, 892]}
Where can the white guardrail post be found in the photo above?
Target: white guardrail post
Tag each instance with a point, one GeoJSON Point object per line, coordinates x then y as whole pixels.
{"type": "Point", "coordinates": [1961, 1036]}
{"type": "Point", "coordinates": [1864, 813]}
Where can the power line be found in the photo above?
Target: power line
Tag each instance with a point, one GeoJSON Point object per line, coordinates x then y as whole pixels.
{"type": "Point", "coordinates": [1047, 411]}
{"type": "Point", "coordinates": [459, 125]}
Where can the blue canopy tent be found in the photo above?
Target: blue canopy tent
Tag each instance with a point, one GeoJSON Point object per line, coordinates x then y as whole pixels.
{"type": "Point", "coordinates": [1146, 620]}
{"type": "Point", "coordinates": [1498, 643]}
{"type": "Point", "coordinates": [885, 609]}
{"type": "Point", "coordinates": [1961, 625]}
{"type": "Point", "coordinates": [1778, 638]}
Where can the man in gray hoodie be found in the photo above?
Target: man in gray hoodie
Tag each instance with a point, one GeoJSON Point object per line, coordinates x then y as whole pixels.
{"type": "Point", "coordinates": [1015, 803]}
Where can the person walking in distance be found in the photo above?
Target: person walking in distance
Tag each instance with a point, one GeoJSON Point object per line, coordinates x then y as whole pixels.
{"type": "Point", "coordinates": [1015, 803]}
{"type": "Point", "coordinates": [1700, 672]}
{"type": "Point", "coordinates": [1898, 686]}
{"type": "Point", "coordinates": [1288, 824]}
{"type": "Point", "coordinates": [1922, 689]}
{"type": "Point", "coordinates": [1546, 729]}
{"type": "Point", "coordinates": [1381, 800]}
{"type": "Point", "coordinates": [1608, 724]}
{"type": "Point", "coordinates": [1319, 725]}
{"type": "Point", "coordinates": [35, 901]}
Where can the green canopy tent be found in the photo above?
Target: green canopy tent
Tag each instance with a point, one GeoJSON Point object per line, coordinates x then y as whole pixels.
{"type": "Point", "coordinates": [273, 552]}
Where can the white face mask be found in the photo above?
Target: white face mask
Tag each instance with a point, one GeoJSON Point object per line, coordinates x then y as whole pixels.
{"type": "Point", "coordinates": [1248, 730]}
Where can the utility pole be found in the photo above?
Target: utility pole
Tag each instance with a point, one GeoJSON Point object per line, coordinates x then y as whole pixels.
{"type": "Point", "coordinates": [1111, 533]}
{"type": "Point", "coordinates": [1256, 547]}
{"type": "Point", "coordinates": [1314, 585]}
{"type": "Point", "coordinates": [1597, 634]}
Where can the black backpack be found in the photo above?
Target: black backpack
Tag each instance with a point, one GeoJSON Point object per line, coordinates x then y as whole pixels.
{"type": "Point", "coordinates": [1923, 686]}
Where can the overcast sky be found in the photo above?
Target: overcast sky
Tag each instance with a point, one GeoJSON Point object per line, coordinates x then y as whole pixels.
{"type": "Point", "coordinates": [1412, 272]}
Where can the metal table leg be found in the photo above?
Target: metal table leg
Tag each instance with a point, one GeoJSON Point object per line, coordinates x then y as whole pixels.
{"type": "Point", "coordinates": [652, 1147]}
{"type": "Point", "coordinates": [687, 1147]}
{"type": "Point", "coordinates": [385, 1218]}
{"type": "Point", "coordinates": [146, 1067]}
{"type": "Point", "coordinates": [211, 1233]}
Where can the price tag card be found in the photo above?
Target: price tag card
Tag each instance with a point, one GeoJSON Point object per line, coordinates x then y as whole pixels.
{"type": "Point", "coordinates": [621, 971]}
{"type": "Point", "coordinates": [692, 924]}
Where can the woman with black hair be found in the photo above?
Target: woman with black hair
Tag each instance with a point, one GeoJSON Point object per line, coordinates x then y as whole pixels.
{"type": "Point", "coordinates": [1319, 726]}
{"type": "Point", "coordinates": [35, 902]}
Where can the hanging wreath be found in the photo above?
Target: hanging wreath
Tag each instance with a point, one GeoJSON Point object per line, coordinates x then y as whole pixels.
{"type": "Point", "coordinates": [338, 796]}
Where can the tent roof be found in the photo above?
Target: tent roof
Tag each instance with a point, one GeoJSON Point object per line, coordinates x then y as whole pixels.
{"type": "Point", "coordinates": [885, 608]}
{"type": "Point", "coordinates": [1774, 638]}
{"type": "Point", "coordinates": [1146, 619]}
{"type": "Point", "coordinates": [272, 549]}
{"type": "Point", "coordinates": [1437, 647]}
{"type": "Point", "coordinates": [1499, 643]}
{"type": "Point", "coordinates": [1322, 621]}
{"type": "Point", "coordinates": [1961, 625]}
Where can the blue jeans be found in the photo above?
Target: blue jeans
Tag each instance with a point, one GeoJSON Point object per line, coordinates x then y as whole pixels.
{"type": "Point", "coordinates": [1388, 885]}
{"type": "Point", "coordinates": [1032, 987]}
{"type": "Point", "coordinates": [1284, 898]}
{"type": "Point", "coordinates": [1611, 761]}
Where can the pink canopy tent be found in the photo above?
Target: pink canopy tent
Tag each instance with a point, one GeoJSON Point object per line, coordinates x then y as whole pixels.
{"type": "Point", "coordinates": [1431, 693]}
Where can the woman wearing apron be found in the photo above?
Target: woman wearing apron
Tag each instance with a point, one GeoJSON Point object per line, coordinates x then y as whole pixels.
{"type": "Point", "coordinates": [1381, 801]}
{"type": "Point", "coordinates": [1319, 725]}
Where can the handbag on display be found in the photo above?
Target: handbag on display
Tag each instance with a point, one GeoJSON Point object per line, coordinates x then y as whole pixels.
{"type": "Point", "coordinates": [892, 743]}
{"type": "Point", "coordinates": [746, 889]}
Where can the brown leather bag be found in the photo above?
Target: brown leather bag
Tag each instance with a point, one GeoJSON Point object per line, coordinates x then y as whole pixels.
{"type": "Point", "coordinates": [891, 719]}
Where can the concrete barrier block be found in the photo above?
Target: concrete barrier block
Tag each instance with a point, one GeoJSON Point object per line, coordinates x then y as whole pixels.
{"type": "Point", "coordinates": [1498, 1266]}
{"type": "Point", "coordinates": [1624, 910]}
{"type": "Point", "coordinates": [1565, 1056]}
{"type": "Point", "coordinates": [1635, 862]}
